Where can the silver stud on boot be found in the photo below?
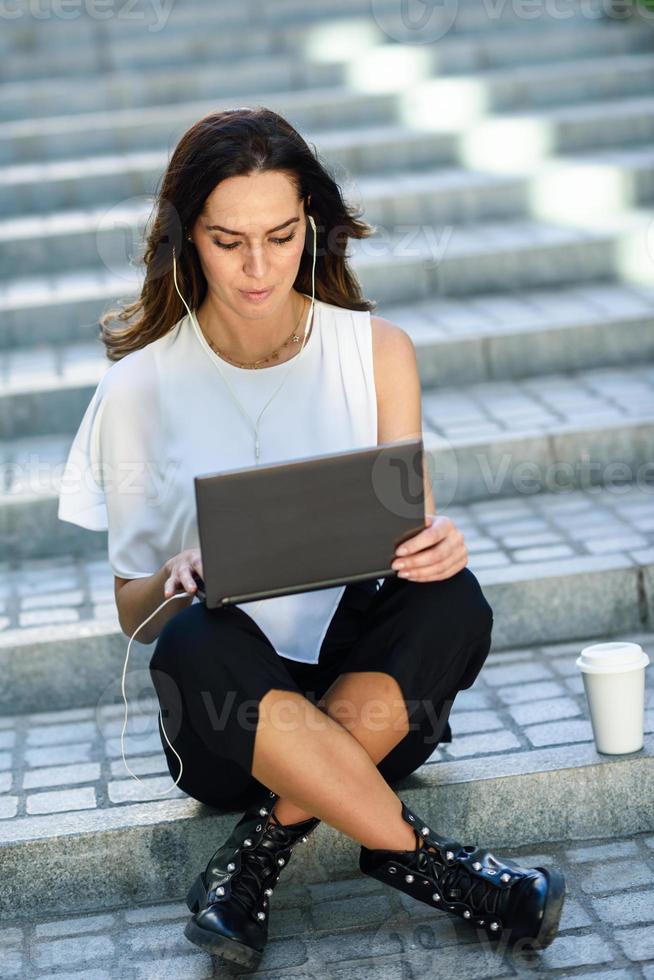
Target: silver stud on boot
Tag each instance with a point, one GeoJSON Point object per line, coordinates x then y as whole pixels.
{"type": "Point", "coordinates": [226, 919]}
{"type": "Point", "coordinates": [521, 903]}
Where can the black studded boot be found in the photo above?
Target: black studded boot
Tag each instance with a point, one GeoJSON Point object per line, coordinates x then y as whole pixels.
{"type": "Point", "coordinates": [230, 898]}
{"type": "Point", "coordinates": [492, 893]}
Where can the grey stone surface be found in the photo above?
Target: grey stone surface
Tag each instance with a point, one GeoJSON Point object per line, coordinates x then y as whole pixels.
{"type": "Point", "coordinates": [357, 927]}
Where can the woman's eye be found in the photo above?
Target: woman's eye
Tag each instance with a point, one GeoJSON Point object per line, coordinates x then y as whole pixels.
{"type": "Point", "coordinates": [277, 241]}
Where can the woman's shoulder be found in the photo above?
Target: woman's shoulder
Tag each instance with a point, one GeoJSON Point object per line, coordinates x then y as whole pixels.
{"type": "Point", "coordinates": [344, 313]}
{"type": "Point", "coordinates": [135, 373]}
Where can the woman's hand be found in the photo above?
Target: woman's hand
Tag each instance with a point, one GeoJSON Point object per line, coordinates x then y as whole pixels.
{"type": "Point", "coordinates": [435, 553]}
{"type": "Point", "coordinates": [180, 570]}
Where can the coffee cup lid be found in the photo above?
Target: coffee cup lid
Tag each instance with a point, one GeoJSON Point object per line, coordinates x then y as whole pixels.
{"type": "Point", "coordinates": [612, 657]}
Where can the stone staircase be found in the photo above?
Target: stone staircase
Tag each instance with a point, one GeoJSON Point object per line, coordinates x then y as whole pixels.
{"type": "Point", "coordinates": [509, 169]}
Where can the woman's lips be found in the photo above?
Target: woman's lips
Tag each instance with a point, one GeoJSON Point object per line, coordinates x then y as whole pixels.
{"type": "Point", "coordinates": [256, 296]}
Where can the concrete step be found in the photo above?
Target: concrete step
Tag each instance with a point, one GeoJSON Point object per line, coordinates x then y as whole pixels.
{"type": "Point", "coordinates": [454, 192]}
{"type": "Point", "coordinates": [460, 339]}
{"type": "Point", "coordinates": [70, 808]}
{"type": "Point", "coordinates": [535, 131]}
{"type": "Point", "coordinates": [341, 23]}
{"type": "Point", "coordinates": [188, 16]}
{"type": "Point", "coordinates": [458, 260]}
{"type": "Point", "coordinates": [183, 42]}
{"type": "Point", "coordinates": [128, 87]}
{"type": "Point", "coordinates": [581, 430]}
{"type": "Point", "coordinates": [111, 180]}
{"type": "Point", "coordinates": [474, 41]}
{"type": "Point", "coordinates": [423, 101]}
{"type": "Point", "coordinates": [45, 387]}
{"type": "Point", "coordinates": [408, 259]}
{"type": "Point", "coordinates": [358, 927]}
{"type": "Point", "coordinates": [156, 127]}
{"type": "Point", "coordinates": [554, 566]}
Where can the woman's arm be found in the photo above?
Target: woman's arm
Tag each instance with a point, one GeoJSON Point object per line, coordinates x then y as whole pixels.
{"type": "Point", "coordinates": [399, 396]}
{"type": "Point", "coordinates": [137, 598]}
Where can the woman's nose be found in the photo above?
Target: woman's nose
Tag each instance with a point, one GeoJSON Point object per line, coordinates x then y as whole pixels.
{"type": "Point", "coordinates": [255, 264]}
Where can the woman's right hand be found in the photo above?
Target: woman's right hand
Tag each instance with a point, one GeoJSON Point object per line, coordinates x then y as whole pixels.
{"type": "Point", "coordinates": [180, 570]}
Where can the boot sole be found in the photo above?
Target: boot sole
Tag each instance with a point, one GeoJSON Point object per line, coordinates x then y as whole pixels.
{"type": "Point", "coordinates": [553, 907]}
{"type": "Point", "coordinates": [229, 949]}
{"type": "Point", "coordinates": [225, 946]}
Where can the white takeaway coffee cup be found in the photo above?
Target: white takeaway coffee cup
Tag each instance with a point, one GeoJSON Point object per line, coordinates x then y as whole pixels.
{"type": "Point", "coordinates": [614, 680]}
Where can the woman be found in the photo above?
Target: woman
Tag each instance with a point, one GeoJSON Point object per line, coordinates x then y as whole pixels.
{"type": "Point", "coordinates": [210, 376]}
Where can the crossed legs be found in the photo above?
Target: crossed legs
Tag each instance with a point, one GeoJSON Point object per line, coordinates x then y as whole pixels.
{"type": "Point", "coordinates": [322, 759]}
{"type": "Point", "coordinates": [353, 700]}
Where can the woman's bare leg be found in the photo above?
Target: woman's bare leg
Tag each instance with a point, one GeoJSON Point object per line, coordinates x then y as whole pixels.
{"type": "Point", "coordinates": [371, 706]}
{"type": "Point", "coordinates": [311, 760]}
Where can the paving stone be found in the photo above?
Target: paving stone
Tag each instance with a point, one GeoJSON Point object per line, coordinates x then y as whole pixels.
{"type": "Point", "coordinates": [570, 951]}
{"type": "Point", "coordinates": [557, 732]}
{"type": "Point", "coordinates": [602, 852]}
{"type": "Point", "coordinates": [498, 741]}
{"type": "Point", "coordinates": [64, 952]}
{"type": "Point", "coordinates": [62, 800]}
{"type": "Point", "coordinates": [627, 908]}
{"type": "Point", "coordinates": [61, 775]}
{"type": "Point", "coordinates": [532, 693]}
{"type": "Point", "coordinates": [539, 711]}
{"type": "Point", "coordinates": [72, 926]}
{"type": "Point", "coordinates": [613, 876]}
{"type": "Point", "coordinates": [516, 674]}
{"type": "Point", "coordinates": [638, 944]}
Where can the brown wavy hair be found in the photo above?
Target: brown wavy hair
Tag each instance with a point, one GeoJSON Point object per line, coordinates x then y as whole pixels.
{"type": "Point", "coordinates": [230, 143]}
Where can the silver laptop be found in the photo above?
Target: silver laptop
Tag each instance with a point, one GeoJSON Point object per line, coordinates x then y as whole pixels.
{"type": "Point", "coordinates": [309, 523]}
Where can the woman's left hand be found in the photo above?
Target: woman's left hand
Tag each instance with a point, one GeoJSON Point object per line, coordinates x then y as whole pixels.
{"type": "Point", "coordinates": [437, 552]}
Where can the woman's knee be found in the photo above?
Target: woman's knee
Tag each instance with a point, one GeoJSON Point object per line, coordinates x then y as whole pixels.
{"type": "Point", "coordinates": [462, 596]}
{"type": "Point", "coordinates": [478, 611]}
{"type": "Point", "coordinates": [201, 636]}
{"type": "Point", "coordinates": [170, 640]}
{"type": "Point", "coordinates": [187, 634]}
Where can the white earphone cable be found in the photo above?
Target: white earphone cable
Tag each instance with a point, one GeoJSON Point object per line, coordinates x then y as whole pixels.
{"type": "Point", "coordinates": [178, 595]}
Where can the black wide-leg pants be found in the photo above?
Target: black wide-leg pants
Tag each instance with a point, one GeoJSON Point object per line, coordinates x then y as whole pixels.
{"type": "Point", "coordinates": [211, 667]}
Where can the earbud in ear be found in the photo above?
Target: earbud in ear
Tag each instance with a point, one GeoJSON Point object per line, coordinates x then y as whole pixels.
{"type": "Point", "coordinates": [312, 222]}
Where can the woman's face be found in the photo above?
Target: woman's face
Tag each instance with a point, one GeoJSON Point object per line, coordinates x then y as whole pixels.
{"type": "Point", "coordinates": [250, 255]}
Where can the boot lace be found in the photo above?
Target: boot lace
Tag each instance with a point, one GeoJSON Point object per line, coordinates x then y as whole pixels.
{"type": "Point", "coordinates": [458, 885]}
{"type": "Point", "coordinates": [259, 866]}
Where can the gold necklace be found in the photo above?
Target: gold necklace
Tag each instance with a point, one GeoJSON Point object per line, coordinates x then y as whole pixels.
{"type": "Point", "coordinates": [294, 338]}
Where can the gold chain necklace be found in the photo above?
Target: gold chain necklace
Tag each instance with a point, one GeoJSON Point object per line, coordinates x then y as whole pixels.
{"type": "Point", "coordinates": [294, 338]}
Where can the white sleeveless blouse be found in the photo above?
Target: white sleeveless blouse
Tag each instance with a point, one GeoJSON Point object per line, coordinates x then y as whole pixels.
{"type": "Point", "coordinates": [163, 414]}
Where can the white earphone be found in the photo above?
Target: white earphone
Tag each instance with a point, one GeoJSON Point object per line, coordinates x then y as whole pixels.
{"type": "Point", "coordinates": [182, 595]}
